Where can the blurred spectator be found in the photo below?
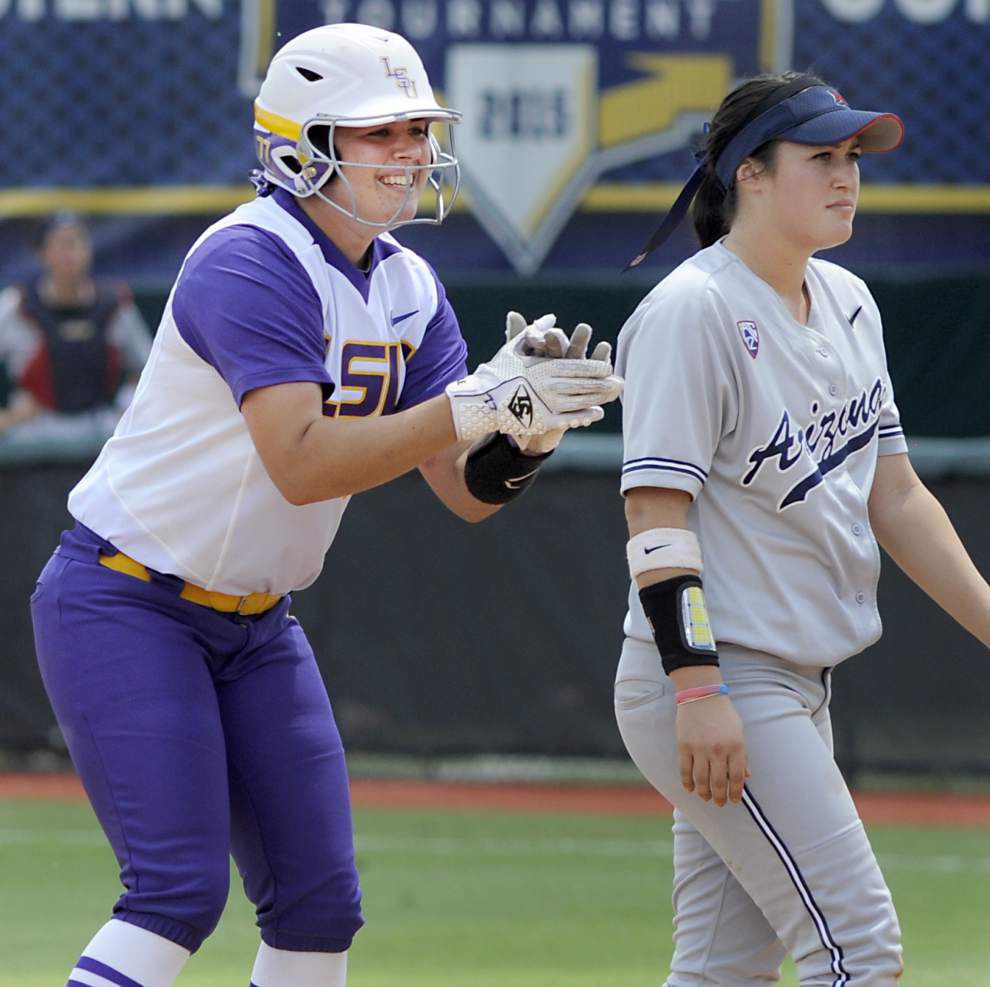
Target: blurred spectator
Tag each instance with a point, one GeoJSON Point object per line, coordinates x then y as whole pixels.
{"type": "Point", "coordinates": [72, 346]}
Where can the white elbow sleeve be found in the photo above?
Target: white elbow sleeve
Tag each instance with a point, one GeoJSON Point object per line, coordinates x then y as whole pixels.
{"type": "Point", "coordinates": [663, 548]}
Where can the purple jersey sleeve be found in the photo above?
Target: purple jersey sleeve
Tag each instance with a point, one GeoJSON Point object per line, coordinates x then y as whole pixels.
{"type": "Point", "coordinates": [440, 359]}
{"type": "Point", "coordinates": [246, 306]}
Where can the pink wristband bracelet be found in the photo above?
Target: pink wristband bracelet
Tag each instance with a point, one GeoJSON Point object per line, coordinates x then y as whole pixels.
{"type": "Point", "coordinates": [700, 692]}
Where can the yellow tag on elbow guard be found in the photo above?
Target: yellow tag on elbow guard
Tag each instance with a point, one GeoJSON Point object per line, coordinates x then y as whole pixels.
{"type": "Point", "coordinates": [694, 620]}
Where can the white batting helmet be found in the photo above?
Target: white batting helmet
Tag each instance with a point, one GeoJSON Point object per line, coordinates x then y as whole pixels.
{"type": "Point", "coordinates": [347, 75]}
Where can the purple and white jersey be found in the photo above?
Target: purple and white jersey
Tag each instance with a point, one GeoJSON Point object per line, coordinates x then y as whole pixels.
{"type": "Point", "coordinates": [263, 298]}
{"type": "Point", "coordinates": [774, 429]}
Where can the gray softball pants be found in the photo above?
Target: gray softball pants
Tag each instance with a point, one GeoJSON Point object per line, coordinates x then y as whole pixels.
{"type": "Point", "coordinates": [787, 870]}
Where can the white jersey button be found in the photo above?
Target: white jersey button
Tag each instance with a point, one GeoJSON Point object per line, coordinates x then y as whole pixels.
{"type": "Point", "coordinates": [833, 389]}
{"type": "Point", "coordinates": [861, 598]}
{"type": "Point", "coordinates": [857, 528]}
{"type": "Point", "coordinates": [822, 351]}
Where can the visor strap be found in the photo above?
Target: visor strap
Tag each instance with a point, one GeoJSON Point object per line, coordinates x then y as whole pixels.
{"type": "Point", "coordinates": [673, 218]}
{"type": "Point", "coordinates": [683, 202]}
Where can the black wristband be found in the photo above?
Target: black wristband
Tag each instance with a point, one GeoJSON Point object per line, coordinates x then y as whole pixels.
{"type": "Point", "coordinates": [676, 611]}
{"type": "Point", "coordinates": [497, 472]}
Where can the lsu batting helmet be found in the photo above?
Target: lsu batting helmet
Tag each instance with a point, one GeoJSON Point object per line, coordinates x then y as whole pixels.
{"type": "Point", "coordinates": [347, 75]}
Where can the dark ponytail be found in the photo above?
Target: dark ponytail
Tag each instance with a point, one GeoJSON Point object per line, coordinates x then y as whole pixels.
{"type": "Point", "coordinates": [715, 206]}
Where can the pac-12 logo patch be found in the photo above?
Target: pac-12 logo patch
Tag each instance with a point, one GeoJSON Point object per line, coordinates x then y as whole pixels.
{"type": "Point", "coordinates": [750, 337]}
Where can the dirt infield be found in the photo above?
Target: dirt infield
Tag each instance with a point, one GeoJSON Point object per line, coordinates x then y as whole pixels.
{"type": "Point", "coordinates": [904, 808]}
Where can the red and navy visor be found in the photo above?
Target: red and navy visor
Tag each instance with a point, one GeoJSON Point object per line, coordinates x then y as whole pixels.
{"type": "Point", "coordinates": [815, 115]}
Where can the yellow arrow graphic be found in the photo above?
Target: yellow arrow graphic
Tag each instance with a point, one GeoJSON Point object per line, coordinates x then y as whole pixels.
{"type": "Point", "coordinates": [677, 84]}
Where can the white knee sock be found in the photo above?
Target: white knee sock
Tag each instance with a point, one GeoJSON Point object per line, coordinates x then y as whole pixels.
{"type": "Point", "coordinates": [285, 968]}
{"type": "Point", "coordinates": [119, 950]}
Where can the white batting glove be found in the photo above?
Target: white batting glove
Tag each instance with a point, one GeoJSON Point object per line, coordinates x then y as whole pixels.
{"type": "Point", "coordinates": [528, 395]}
{"type": "Point", "coordinates": [543, 338]}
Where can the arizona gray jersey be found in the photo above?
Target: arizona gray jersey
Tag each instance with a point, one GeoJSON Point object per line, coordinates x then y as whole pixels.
{"type": "Point", "coordinates": [774, 429]}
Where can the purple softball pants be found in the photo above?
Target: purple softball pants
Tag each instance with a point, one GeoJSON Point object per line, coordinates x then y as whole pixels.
{"type": "Point", "coordinates": [198, 734]}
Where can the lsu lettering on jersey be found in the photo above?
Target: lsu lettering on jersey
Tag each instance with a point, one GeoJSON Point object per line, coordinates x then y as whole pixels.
{"type": "Point", "coordinates": [263, 298]}
{"type": "Point", "coordinates": [774, 429]}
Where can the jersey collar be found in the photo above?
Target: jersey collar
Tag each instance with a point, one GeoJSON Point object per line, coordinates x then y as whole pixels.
{"type": "Point", "coordinates": [332, 254]}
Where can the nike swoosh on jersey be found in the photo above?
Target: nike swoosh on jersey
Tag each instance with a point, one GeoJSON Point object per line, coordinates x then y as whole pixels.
{"type": "Point", "coordinates": [852, 318]}
{"type": "Point", "coordinates": [396, 319]}
{"type": "Point", "coordinates": [515, 482]}
{"type": "Point", "coordinates": [655, 548]}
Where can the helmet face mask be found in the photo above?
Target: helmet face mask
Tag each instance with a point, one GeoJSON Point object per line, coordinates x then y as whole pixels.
{"type": "Point", "coordinates": [351, 76]}
{"type": "Point", "coordinates": [324, 168]}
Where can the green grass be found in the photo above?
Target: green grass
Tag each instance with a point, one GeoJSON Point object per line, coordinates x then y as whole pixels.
{"type": "Point", "coordinates": [461, 898]}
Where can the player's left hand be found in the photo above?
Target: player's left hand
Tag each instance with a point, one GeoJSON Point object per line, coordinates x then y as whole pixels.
{"type": "Point", "coordinates": [523, 396]}
{"type": "Point", "coordinates": [712, 750]}
{"type": "Point", "coordinates": [543, 338]}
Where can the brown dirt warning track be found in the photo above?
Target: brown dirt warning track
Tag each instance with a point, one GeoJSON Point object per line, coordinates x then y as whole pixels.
{"type": "Point", "coordinates": [903, 808]}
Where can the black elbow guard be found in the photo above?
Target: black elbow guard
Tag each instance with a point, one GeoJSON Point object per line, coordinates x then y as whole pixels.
{"type": "Point", "coordinates": [676, 611]}
{"type": "Point", "coordinates": [497, 472]}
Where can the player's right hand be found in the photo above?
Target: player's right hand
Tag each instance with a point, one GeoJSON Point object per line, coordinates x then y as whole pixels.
{"type": "Point", "coordinates": [524, 394]}
{"type": "Point", "coordinates": [543, 338]}
{"type": "Point", "coordinates": [711, 750]}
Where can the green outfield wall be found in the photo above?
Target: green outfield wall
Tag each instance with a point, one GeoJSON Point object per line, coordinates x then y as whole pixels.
{"type": "Point", "coordinates": [440, 638]}
{"type": "Point", "coordinates": [937, 331]}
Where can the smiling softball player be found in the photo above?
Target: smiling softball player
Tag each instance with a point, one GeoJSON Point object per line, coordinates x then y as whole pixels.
{"type": "Point", "coordinates": [764, 460]}
{"type": "Point", "coordinates": [304, 355]}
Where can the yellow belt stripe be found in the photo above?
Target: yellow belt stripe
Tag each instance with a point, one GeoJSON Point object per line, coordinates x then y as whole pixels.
{"type": "Point", "coordinates": [253, 603]}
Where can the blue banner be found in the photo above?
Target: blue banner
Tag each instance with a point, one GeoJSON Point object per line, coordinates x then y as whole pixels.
{"type": "Point", "coordinates": [573, 109]}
